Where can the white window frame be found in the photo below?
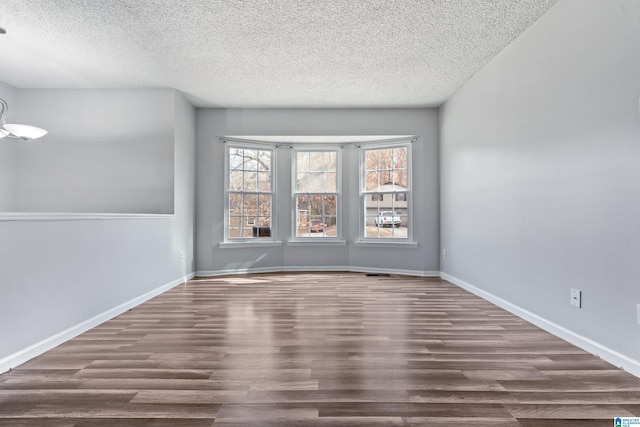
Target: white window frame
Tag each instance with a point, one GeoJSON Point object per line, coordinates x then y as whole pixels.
{"type": "Point", "coordinates": [294, 174]}
{"type": "Point", "coordinates": [247, 241]}
{"type": "Point", "coordinates": [363, 240]}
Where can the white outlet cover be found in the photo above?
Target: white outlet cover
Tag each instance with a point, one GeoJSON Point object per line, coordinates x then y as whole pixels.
{"type": "Point", "coordinates": [576, 298]}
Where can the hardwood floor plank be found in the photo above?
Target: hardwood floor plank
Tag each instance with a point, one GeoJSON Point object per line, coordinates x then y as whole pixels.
{"type": "Point", "coordinates": [566, 411]}
{"type": "Point", "coordinates": [537, 422]}
{"type": "Point", "coordinates": [189, 396]}
{"type": "Point", "coordinates": [462, 421]}
{"type": "Point", "coordinates": [316, 349]}
{"type": "Point", "coordinates": [377, 409]}
{"type": "Point", "coordinates": [97, 422]}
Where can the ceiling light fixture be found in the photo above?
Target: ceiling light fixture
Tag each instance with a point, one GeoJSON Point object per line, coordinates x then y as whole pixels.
{"type": "Point", "coordinates": [25, 132]}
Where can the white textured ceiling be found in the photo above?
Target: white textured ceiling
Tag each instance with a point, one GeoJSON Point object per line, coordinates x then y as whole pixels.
{"type": "Point", "coordinates": [261, 53]}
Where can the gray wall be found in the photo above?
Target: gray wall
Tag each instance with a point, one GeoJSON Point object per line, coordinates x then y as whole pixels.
{"type": "Point", "coordinates": [58, 273]}
{"type": "Point", "coordinates": [8, 153]}
{"type": "Point", "coordinates": [540, 172]}
{"type": "Point", "coordinates": [185, 182]}
{"type": "Point", "coordinates": [213, 123]}
{"type": "Point", "coordinates": [106, 151]}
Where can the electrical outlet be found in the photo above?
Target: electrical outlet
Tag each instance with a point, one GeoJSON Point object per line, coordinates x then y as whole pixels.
{"type": "Point", "coordinates": [181, 256]}
{"type": "Point", "coordinates": [444, 254]}
{"type": "Point", "coordinates": [576, 298]}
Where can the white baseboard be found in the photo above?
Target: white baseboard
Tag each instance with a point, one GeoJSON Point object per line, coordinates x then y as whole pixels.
{"type": "Point", "coordinates": [232, 271]}
{"type": "Point", "coordinates": [395, 271]}
{"type": "Point", "coordinates": [13, 360]}
{"type": "Point", "coordinates": [316, 268]}
{"type": "Point", "coordinates": [615, 358]}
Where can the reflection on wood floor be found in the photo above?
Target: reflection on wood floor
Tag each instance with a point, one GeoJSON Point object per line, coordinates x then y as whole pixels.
{"type": "Point", "coordinates": [317, 349]}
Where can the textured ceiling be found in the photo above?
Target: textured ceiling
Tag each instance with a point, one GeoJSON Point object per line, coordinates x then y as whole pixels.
{"type": "Point", "coordinates": [261, 53]}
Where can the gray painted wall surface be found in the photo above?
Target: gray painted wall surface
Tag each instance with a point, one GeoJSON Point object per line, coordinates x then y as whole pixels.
{"type": "Point", "coordinates": [213, 123]}
{"type": "Point", "coordinates": [106, 151]}
{"type": "Point", "coordinates": [540, 172]}
{"type": "Point", "coordinates": [57, 274]}
{"type": "Point", "coordinates": [8, 153]}
{"type": "Point", "coordinates": [185, 181]}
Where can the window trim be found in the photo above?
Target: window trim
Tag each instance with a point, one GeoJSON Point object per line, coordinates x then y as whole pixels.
{"type": "Point", "coordinates": [249, 241]}
{"type": "Point", "coordinates": [362, 239]}
{"type": "Point", "coordinates": [316, 240]}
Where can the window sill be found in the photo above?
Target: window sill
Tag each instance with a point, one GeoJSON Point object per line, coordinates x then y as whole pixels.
{"type": "Point", "coordinates": [250, 244]}
{"type": "Point", "coordinates": [318, 241]}
{"type": "Point", "coordinates": [64, 216]}
{"type": "Point", "coordinates": [385, 244]}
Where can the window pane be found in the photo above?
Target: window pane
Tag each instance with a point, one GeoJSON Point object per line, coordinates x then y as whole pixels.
{"type": "Point", "coordinates": [371, 230]}
{"type": "Point", "coordinates": [386, 179]}
{"type": "Point", "coordinates": [386, 158]}
{"type": "Point", "coordinates": [234, 226]}
{"type": "Point", "coordinates": [250, 181]}
{"type": "Point", "coordinates": [235, 159]}
{"type": "Point", "coordinates": [235, 181]}
{"type": "Point", "coordinates": [264, 221]}
{"type": "Point", "coordinates": [371, 204]}
{"type": "Point", "coordinates": [330, 183]}
{"type": "Point", "coordinates": [401, 197]}
{"type": "Point", "coordinates": [316, 182]}
{"type": "Point", "coordinates": [316, 226]}
{"type": "Point", "coordinates": [371, 183]}
{"type": "Point", "coordinates": [386, 167]}
{"type": "Point", "coordinates": [302, 215]}
{"type": "Point", "coordinates": [330, 205]}
{"type": "Point", "coordinates": [264, 206]}
{"type": "Point", "coordinates": [250, 160]}
{"type": "Point", "coordinates": [302, 162]}
{"type": "Point", "coordinates": [401, 180]}
{"type": "Point", "coordinates": [371, 159]}
{"type": "Point", "coordinates": [250, 205]}
{"type": "Point", "coordinates": [400, 166]}
{"type": "Point", "coordinates": [330, 161]}
{"type": "Point", "coordinates": [400, 158]}
{"type": "Point", "coordinates": [315, 205]}
{"type": "Point", "coordinates": [264, 160]}
{"type": "Point", "coordinates": [264, 181]}
{"type": "Point", "coordinates": [235, 204]}
{"type": "Point", "coordinates": [302, 205]}
{"type": "Point", "coordinates": [316, 161]}
{"type": "Point", "coordinates": [330, 229]}
{"type": "Point", "coordinates": [302, 182]}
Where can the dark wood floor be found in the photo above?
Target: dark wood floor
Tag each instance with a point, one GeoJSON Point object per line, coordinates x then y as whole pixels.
{"type": "Point", "coordinates": [334, 349]}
